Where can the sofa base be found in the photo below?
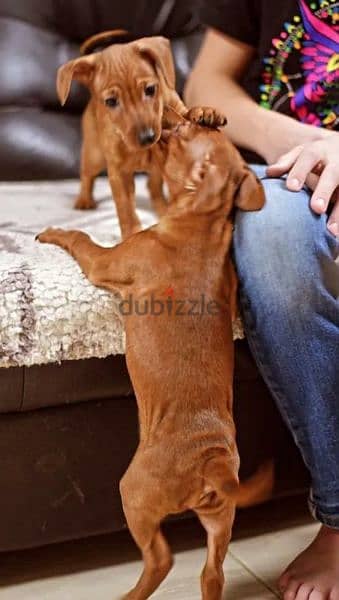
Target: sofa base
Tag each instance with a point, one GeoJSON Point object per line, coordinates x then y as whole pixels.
{"type": "Point", "coordinates": [61, 466]}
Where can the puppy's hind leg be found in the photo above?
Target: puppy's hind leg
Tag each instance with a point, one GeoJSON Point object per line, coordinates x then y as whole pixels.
{"type": "Point", "coordinates": [155, 183]}
{"type": "Point", "coordinates": [218, 525]}
{"type": "Point", "coordinates": [92, 161]}
{"type": "Point", "coordinates": [144, 526]}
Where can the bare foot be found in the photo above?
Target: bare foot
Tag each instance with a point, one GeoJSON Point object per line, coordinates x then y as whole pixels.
{"type": "Point", "coordinates": [314, 574]}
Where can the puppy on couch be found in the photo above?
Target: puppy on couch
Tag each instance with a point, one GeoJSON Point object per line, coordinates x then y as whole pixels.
{"type": "Point", "coordinates": [181, 360]}
{"type": "Point", "coordinates": [130, 85]}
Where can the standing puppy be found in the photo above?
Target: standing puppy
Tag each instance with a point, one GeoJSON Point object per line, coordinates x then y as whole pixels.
{"type": "Point", "coordinates": [180, 352]}
{"type": "Point", "coordinates": [130, 85]}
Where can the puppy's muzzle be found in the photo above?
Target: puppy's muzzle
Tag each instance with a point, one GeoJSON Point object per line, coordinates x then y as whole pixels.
{"type": "Point", "coordinates": [146, 136]}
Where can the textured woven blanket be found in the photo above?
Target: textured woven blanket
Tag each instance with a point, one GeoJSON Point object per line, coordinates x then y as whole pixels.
{"type": "Point", "coordinates": [49, 312]}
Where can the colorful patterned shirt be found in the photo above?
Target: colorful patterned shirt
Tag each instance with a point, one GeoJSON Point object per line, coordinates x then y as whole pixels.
{"type": "Point", "coordinates": [296, 68]}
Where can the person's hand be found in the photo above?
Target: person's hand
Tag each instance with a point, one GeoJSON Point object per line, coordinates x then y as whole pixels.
{"type": "Point", "coordinates": [317, 165]}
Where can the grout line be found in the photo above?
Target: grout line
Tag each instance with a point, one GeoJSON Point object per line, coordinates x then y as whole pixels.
{"type": "Point", "coordinates": [258, 579]}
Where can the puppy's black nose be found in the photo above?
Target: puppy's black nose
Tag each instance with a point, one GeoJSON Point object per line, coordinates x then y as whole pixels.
{"type": "Point", "coordinates": [146, 136]}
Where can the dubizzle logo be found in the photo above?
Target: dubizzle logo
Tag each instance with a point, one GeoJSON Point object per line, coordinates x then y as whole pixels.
{"type": "Point", "coordinates": [170, 306]}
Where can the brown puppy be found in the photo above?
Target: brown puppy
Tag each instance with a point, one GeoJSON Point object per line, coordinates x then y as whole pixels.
{"type": "Point", "coordinates": [130, 85]}
{"type": "Point", "coordinates": [179, 280]}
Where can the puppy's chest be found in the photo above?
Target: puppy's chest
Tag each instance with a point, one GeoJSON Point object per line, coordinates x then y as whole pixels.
{"type": "Point", "coordinates": [138, 162]}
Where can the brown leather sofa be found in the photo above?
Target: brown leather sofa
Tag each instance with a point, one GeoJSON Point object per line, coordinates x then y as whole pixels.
{"type": "Point", "coordinates": [68, 431]}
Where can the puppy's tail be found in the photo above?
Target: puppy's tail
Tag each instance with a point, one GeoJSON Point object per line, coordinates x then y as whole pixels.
{"type": "Point", "coordinates": [105, 38]}
{"type": "Point", "coordinates": [254, 490]}
{"type": "Point", "coordinates": [257, 488]}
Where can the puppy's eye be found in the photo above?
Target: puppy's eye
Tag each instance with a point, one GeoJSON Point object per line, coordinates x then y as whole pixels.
{"type": "Point", "coordinates": [150, 90]}
{"type": "Point", "coordinates": [112, 102]}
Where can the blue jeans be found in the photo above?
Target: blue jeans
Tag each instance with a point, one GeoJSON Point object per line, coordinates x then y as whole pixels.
{"type": "Point", "coordinates": [289, 292]}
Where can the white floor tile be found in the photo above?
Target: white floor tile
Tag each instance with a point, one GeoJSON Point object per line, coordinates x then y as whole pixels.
{"type": "Point", "coordinates": [269, 554]}
{"type": "Point", "coordinates": [111, 582]}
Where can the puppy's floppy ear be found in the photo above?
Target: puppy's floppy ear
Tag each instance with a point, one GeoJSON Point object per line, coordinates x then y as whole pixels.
{"type": "Point", "coordinates": [250, 193]}
{"type": "Point", "coordinates": [158, 51]}
{"type": "Point", "coordinates": [80, 69]}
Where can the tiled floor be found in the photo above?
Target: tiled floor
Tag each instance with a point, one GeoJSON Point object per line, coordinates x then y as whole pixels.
{"type": "Point", "coordinates": [265, 540]}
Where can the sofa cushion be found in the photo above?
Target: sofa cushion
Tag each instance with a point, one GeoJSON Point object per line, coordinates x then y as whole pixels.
{"type": "Point", "coordinates": [49, 311]}
{"type": "Point", "coordinates": [38, 138]}
{"type": "Point", "coordinates": [38, 144]}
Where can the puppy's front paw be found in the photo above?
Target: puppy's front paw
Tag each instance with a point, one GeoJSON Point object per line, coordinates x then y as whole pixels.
{"type": "Point", "coordinates": [83, 203]}
{"type": "Point", "coordinates": [50, 235]}
{"type": "Point", "coordinates": [207, 116]}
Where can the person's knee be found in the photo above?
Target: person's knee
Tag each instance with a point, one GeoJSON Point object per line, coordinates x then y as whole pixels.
{"type": "Point", "coordinates": [285, 219]}
{"type": "Point", "coordinates": [282, 251]}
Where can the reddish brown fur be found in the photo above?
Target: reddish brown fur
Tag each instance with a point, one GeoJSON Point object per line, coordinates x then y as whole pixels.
{"type": "Point", "coordinates": [111, 135]}
{"type": "Point", "coordinates": [182, 366]}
